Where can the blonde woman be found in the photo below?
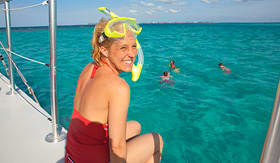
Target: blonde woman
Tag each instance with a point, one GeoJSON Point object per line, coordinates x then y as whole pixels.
{"type": "Point", "coordinates": [99, 131]}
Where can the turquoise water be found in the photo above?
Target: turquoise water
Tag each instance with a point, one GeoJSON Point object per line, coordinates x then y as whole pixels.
{"type": "Point", "coordinates": [206, 116]}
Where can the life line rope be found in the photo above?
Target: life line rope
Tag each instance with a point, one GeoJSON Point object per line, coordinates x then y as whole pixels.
{"type": "Point", "coordinates": [20, 74]}
{"type": "Point", "coordinates": [35, 5]}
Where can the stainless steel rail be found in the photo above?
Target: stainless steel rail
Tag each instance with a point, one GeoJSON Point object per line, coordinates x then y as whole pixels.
{"type": "Point", "coordinates": [271, 148]}
{"type": "Point", "coordinates": [9, 46]}
{"type": "Point", "coordinates": [20, 74]}
{"type": "Point", "coordinates": [57, 134]}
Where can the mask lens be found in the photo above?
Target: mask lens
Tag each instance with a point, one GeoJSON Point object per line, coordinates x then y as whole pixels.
{"type": "Point", "coordinates": [117, 27]}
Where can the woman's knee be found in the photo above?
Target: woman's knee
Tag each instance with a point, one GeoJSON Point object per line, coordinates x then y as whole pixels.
{"type": "Point", "coordinates": [137, 127]}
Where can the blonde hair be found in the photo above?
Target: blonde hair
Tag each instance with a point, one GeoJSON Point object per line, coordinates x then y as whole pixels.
{"type": "Point", "coordinates": [98, 30]}
{"type": "Point", "coordinates": [107, 42]}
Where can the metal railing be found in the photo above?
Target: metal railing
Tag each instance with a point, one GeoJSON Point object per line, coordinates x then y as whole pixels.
{"type": "Point", "coordinates": [18, 71]}
{"type": "Point", "coordinates": [57, 133]}
{"type": "Point", "coordinates": [271, 148]}
{"type": "Point", "coordinates": [9, 45]}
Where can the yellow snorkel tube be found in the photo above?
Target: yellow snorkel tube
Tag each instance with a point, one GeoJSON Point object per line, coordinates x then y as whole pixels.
{"type": "Point", "coordinates": [136, 70]}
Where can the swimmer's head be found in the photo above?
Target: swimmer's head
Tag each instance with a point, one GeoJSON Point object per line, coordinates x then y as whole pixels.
{"type": "Point", "coordinates": [165, 73]}
{"type": "Point", "coordinates": [220, 64]}
{"type": "Point", "coordinates": [172, 62]}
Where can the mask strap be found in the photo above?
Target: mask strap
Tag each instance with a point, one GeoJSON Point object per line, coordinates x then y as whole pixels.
{"type": "Point", "coordinates": [102, 38]}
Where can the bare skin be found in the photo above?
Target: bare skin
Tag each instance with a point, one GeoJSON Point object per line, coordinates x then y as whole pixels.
{"type": "Point", "coordinates": [171, 65]}
{"type": "Point", "coordinates": [225, 69]}
{"type": "Point", "coordinates": [165, 77]}
{"type": "Point", "coordinates": [105, 99]}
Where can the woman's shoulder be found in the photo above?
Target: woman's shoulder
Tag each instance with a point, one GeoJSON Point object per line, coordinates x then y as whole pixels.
{"type": "Point", "coordinates": [86, 70]}
{"type": "Point", "coordinates": [116, 82]}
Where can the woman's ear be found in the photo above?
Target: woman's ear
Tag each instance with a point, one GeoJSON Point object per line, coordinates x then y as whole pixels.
{"type": "Point", "coordinates": [103, 51]}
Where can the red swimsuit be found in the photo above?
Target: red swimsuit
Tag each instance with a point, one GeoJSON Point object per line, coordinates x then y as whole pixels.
{"type": "Point", "coordinates": [87, 142]}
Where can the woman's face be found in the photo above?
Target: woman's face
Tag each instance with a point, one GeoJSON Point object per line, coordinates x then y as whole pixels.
{"type": "Point", "coordinates": [122, 53]}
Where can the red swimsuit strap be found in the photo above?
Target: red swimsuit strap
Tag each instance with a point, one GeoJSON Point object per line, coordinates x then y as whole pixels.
{"type": "Point", "coordinates": [95, 67]}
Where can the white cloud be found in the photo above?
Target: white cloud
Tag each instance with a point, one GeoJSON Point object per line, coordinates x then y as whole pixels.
{"type": "Point", "coordinates": [149, 4]}
{"type": "Point", "coordinates": [160, 8]}
{"type": "Point", "coordinates": [149, 12]}
{"type": "Point", "coordinates": [206, 1]}
{"type": "Point", "coordinates": [173, 11]}
{"type": "Point", "coordinates": [211, 1]}
{"type": "Point", "coordinates": [167, 1]}
{"type": "Point", "coordinates": [181, 3]}
{"type": "Point", "coordinates": [132, 11]}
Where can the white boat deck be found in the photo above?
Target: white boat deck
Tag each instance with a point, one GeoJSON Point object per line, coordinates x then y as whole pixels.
{"type": "Point", "coordinates": [24, 126]}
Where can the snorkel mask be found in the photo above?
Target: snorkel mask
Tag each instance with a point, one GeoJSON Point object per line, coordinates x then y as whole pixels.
{"type": "Point", "coordinates": [127, 23]}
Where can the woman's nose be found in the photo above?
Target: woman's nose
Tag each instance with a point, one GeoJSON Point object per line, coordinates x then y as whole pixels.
{"type": "Point", "coordinates": [132, 52]}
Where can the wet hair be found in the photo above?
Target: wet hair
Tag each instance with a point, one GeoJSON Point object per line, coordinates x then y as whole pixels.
{"type": "Point", "coordinates": [95, 43]}
{"type": "Point", "coordinates": [165, 73]}
{"type": "Point", "coordinates": [172, 61]}
{"type": "Point", "coordinates": [220, 64]}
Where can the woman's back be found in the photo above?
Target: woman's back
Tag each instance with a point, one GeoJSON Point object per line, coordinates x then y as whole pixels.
{"type": "Point", "coordinates": [91, 98]}
{"type": "Point", "coordinates": [88, 130]}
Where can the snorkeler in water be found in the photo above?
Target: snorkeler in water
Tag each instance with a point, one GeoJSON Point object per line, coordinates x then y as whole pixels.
{"type": "Point", "coordinates": [224, 68]}
{"type": "Point", "coordinates": [172, 66]}
{"type": "Point", "coordinates": [166, 78]}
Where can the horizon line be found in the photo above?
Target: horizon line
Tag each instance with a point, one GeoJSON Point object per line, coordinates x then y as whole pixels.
{"type": "Point", "coordinates": [187, 22]}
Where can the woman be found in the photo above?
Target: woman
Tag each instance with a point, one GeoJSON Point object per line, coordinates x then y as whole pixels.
{"type": "Point", "coordinates": [171, 65]}
{"type": "Point", "coordinates": [165, 76]}
{"type": "Point", "coordinates": [98, 131]}
{"type": "Point", "coordinates": [224, 68]}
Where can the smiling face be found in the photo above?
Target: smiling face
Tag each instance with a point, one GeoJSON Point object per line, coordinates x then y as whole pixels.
{"type": "Point", "coordinates": [122, 53]}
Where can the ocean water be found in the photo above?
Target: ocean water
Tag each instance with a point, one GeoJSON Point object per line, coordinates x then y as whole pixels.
{"type": "Point", "coordinates": [206, 116]}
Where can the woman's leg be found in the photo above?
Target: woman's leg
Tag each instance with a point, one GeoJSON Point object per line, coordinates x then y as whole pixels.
{"type": "Point", "coordinates": [133, 128]}
{"type": "Point", "coordinates": [145, 148]}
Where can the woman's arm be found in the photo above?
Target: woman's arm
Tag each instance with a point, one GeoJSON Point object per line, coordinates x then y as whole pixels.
{"type": "Point", "coordinates": [118, 107]}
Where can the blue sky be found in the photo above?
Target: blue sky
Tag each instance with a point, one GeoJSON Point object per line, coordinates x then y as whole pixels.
{"type": "Point", "coordinates": [72, 12]}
